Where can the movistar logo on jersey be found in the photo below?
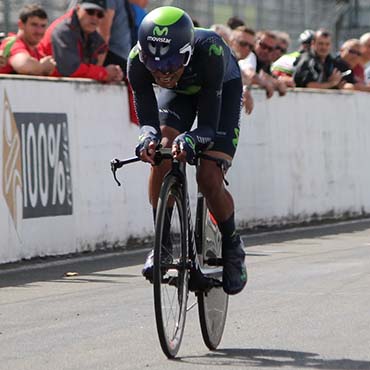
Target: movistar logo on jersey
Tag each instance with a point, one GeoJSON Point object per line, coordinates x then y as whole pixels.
{"type": "Point", "coordinates": [216, 50]}
{"type": "Point", "coordinates": [134, 53]}
{"type": "Point", "coordinates": [160, 32]}
{"type": "Point", "coordinates": [189, 140]}
{"type": "Point", "coordinates": [236, 139]}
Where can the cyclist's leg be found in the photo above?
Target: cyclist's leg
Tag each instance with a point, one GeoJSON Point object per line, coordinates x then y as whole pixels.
{"type": "Point", "coordinates": [219, 199]}
{"type": "Point", "coordinates": [176, 114]}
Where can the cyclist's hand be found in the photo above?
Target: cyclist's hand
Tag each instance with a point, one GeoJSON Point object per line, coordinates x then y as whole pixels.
{"type": "Point", "coordinates": [183, 148]}
{"type": "Point", "coordinates": [149, 139]}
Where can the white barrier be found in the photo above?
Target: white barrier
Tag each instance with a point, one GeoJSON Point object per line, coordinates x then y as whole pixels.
{"type": "Point", "coordinates": [300, 157]}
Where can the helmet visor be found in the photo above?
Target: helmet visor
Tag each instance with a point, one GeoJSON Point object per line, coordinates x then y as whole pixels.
{"type": "Point", "coordinates": [165, 65]}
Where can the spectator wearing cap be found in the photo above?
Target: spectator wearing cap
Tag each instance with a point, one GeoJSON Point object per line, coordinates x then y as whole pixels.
{"type": "Point", "coordinates": [117, 29]}
{"type": "Point", "coordinates": [20, 52]}
{"type": "Point", "coordinates": [348, 58]}
{"type": "Point", "coordinates": [316, 68]}
{"type": "Point", "coordinates": [284, 67]}
{"type": "Point", "coordinates": [76, 45]}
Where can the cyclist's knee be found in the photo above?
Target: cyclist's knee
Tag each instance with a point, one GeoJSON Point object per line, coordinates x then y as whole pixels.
{"type": "Point", "coordinates": [210, 180]}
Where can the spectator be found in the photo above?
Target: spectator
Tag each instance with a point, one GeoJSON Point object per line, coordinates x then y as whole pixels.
{"type": "Point", "coordinates": [76, 45]}
{"type": "Point", "coordinates": [305, 39]}
{"type": "Point", "coordinates": [242, 41]}
{"type": "Point", "coordinates": [234, 22]}
{"type": "Point", "coordinates": [138, 7]}
{"type": "Point", "coordinates": [20, 52]}
{"type": "Point", "coordinates": [367, 75]}
{"type": "Point", "coordinates": [348, 58]}
{"type": "Point", "coordinates": [359, 70]}
{"type": "Point", "coordinates": [282, 46]}
{"type": "Point", "coordinates": [3, 59]}
{"type": "Point", "coordinates": [118, 28]}
{"type": "Point", "coordinates": [316, 69]}
{"type": "Point", "coordinates": [284, 67]}
{"type": "Point", "coordinates": [248, 65]}
{"type": "Point", "coordinates": [265, 45]}
{"type": "Point", "coordinates": [223, 31]}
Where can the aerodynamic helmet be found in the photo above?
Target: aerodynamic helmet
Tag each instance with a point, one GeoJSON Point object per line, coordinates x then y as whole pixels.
{"type": "Point", "coordinates": [166, 39]}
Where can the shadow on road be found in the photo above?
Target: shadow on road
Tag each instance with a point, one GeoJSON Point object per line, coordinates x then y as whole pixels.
{"type": "Point", "coordinates": [270, 358]}
{"type": "Point", "coordinates": [314, 232]}
{"type": "Point", "coordinates": [54, 268]}
{"type": "Point", "coordinates": [90, 269]}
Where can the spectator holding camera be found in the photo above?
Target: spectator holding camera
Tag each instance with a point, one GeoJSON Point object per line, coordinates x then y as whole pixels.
{"type": "Point", "coordinates": [77, 47]}
{"type": "Point", "coordinates": [19, 53]}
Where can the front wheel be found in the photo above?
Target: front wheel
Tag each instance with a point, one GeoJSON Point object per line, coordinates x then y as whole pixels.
{"type": "Point", "coordinates": [212, 305]}
{"type": "Point", "coordinates": [170, 277]}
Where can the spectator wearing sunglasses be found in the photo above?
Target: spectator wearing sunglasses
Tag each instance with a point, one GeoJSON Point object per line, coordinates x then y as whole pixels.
{"type": "Point", "coordinates": [282, 45]}
{"type": "Point", "coordinates": [243, 44]}
{"type": "Point", "coordinates": [265, 46]}
{"type": "Point", "coordinates": [76, 45]}
{"type": "Point", "coordinates": [316, 68]}
{"type": "Point", "coordinates": [349, 56]}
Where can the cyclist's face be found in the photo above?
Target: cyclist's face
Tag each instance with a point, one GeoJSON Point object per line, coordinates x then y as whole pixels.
{"type": "Point", "coordinates": [168, 80]}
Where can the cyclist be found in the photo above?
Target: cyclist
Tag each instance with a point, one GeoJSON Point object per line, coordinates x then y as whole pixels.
{"type": "Point", "coordinates": [198, 76]}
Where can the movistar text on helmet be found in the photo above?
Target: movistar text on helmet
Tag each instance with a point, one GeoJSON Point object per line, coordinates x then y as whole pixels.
{"type": "Point", "coordinates": [159, 39]}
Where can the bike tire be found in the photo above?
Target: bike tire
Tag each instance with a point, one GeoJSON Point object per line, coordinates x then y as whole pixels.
{"type": "Point", "coordinates": [170, 274]}
{"type": "Point", "coordinates": [212, 305]}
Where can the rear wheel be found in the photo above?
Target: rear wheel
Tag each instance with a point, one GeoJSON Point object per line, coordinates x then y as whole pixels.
{"type": "Point", "coordinates": [170, 278]}
{"type": "Point", "coordinates": [212, 305]}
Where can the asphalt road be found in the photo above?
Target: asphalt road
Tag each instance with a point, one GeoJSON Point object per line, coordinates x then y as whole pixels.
{"type": "Point", "coordinates": [306, 306]}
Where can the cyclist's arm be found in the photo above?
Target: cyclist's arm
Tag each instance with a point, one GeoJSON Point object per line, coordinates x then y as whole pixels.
{"type": "Point", "coordinates": [145, 100]}
{"type": "Point", "coordinates": [213, 57]}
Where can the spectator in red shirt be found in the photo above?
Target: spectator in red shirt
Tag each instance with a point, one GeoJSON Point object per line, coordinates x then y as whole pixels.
{"type": "Point", "coordinates": [77, 47]}
{"type": "Point", "coordinates": [20, 52]}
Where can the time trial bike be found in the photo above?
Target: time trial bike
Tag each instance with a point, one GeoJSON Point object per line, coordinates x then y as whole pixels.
{"type": "Point", "coordinates": [185, 258]}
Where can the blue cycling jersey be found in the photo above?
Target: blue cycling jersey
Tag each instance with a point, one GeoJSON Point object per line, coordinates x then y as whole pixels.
{"type": "Point", "coordinates": [211, 66]}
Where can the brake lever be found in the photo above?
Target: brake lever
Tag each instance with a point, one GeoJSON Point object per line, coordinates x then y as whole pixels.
{"type": "Point", "coordinates": [114, 165]}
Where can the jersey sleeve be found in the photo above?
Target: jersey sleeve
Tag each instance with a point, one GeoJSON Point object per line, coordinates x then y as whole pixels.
{"type": "Point", "coordinates": [213, 61]}
{"type": "Point", "coordinates": [141, 81]}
